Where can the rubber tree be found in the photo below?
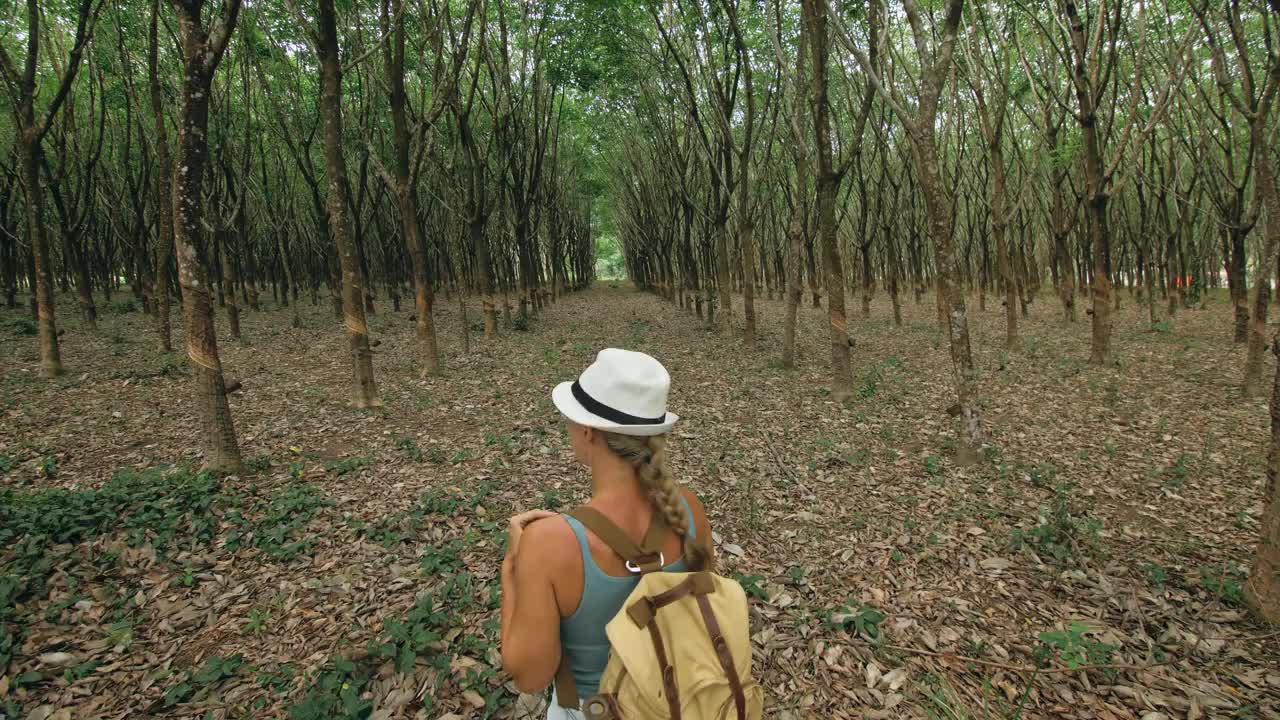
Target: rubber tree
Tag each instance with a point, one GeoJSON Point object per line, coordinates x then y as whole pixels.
{"type": "Point", "coordinates": [32, 126]}
{"type": "Point", "coordinates": [202, 52]}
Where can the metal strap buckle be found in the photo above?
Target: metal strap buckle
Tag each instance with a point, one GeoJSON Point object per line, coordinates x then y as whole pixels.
{"type": "Point", "coordinates": [635, 569]}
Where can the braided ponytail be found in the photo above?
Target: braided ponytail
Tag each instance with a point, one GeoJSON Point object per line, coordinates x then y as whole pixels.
{"type": "Point", "coordinates": [649, 456]}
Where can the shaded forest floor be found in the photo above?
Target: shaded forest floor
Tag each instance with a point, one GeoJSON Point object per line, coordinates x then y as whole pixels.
{"type": "Point", "coordinates": [354, 568]}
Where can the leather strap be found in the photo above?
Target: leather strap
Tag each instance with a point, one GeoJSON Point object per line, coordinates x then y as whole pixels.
{"type": "Point", "coordinates": [566, 686]}
{"type": "Point", "coordinates": [668, 672]}
{"type": "Point", "coordinates": [647, 556]}
{"type": "Point", "coordinates": [656, 536]}
{"type": "Point", "coordinates": [642, 611]}
{"type": "Point", "coordinates": [722, 652]}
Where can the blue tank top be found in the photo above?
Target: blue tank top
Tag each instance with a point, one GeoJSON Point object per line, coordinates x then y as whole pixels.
{"type": "Point", "coordinates": [582, 634]}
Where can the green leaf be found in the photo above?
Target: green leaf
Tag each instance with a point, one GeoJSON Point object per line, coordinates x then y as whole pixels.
{"type": "Point", "coordinates": [177, 694]}
{"type": "Point", "coordinates": [404, 662]}
{"type": "Point", "coordinates": [352, 704]}
{"type": "Point", "coordinates": [1057, 639]}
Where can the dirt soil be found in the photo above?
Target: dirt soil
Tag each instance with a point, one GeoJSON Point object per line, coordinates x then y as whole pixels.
{"type": "Point", "coordinates": [1090, 566]}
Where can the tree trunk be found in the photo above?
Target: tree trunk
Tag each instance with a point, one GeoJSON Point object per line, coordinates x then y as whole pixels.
{"type": "Point", "coordinates": [217, 432]}
{"type": "Point", "coordinates": [32, 285]}
{"type": "Point", "coordinates": [1153, 315]}
{"type": "Point", "coordinates": [1263, 587]}
{"type": "Point", "coordinates": [422, 290]}
{"type": "Point", "coordinates": [868, 279]}
{"type": "Point", "coordinates": [841, 371]}
{"type": "Point", "coordinates": [488, 302]}
{"type": "Point", "coordinates": [228, 283]}
{"type": "Point", "coordinates": [1238, 283]}
{"type": "Point", "coordinates": [794, 289]}
{"type": "Point", "coordinates": [896, 301]}
{"type": "Point", "coordinates": [999, 235]}
{"type": "Point", "coordinates": [465, 324]}
{"type": "Point", "coordinates": [29, 135]}
{"type": "Point", "coordinates": [724, 282]}
{"type": "Point", "coordinates": [84, 283]}
{"type": "Point", "coordinates": [365, 392]}
{"type": "Point", "coordinates": [288, 280]}
{"type": "Point", "coordinates": [1095, 196]}
{"type": "Point", "coordinates": [746, 230]}
{"type": "Point", "coordinates": [1266, 182]}
{"type": "Point", "coordinates": [952, 300]}
{"type": "Point", "coordinates": [29, 152]}
{"type": "Point", "coordinates": [407, 200]}
{"type": "Point", "coordinates": [812, 273]}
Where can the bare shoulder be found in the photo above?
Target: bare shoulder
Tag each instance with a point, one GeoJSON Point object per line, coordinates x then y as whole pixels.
{"type": "Point", "coordinates": [694, 503]}
{"type": "Point", "coordinates": [551, 533]}
{"type": "Point", "coordinates": [548, 541]}
{"type": "Point", "coordinates": [700, 520]}
{"type": "Point", "coordinates": [549, 552]}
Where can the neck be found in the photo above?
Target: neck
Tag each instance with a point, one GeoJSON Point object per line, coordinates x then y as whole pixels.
{"type": "Point", "coordinates": [614, 478]}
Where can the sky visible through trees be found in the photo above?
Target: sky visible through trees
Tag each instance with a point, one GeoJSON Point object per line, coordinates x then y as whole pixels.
{"type": "Point", "coordinates": [778, 175]}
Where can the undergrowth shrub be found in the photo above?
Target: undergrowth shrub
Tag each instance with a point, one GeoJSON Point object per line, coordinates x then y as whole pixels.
{"type": "Point", "coordinates": [169, 509]}
{"type": "Point", "coordinates": [122, 306]}
{"type": "Point", "coordinates": [1072, 647]}
{"type": "Point", "coordinates": [22, 325]}
{"type": "Point", "coordinates": [1063, 531]}
{"type": "Point", "coordinates": [419, 638]}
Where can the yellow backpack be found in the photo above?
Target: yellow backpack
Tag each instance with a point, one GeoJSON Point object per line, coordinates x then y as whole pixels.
{"type": "Point", "coordinates": [680, 647]}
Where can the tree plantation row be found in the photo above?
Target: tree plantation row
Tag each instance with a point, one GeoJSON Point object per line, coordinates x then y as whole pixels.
{"type": "Point", "coordinates": [996, 146]}
{"type": "Point", "coordinates": [215, 154]}
{"type": "Point", "coordinates": [369, 150]}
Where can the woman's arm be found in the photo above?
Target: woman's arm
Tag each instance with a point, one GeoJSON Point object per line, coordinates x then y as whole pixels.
{"type": "Point", "coordinates": [530, 614]}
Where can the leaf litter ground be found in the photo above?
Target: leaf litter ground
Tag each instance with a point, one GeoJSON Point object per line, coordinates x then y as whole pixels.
{"type": "Point", "coordinates": [1089, 567]}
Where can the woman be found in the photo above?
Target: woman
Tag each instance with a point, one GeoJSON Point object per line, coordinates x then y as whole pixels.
{"type": "Point", "coordinates": [561, 583]}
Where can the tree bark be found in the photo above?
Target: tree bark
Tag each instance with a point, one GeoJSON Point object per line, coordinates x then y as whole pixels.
{"type": "Point", "coordinates": [999, 235]}
{"type": "Point", "coordinates": [1263, 587]}
{"type": "Point", "coordinates": [950, 290]}
{"type": "Point", "coordinates": [484, 272]}
{"type": "Point", "coordinates": [29, 152]}
{"type": "Point", "coordinates": [365, 391]}
{"type": "Point", "coordinates": [799, 212]}
{"type": "Point", "coordinates": [221, 237]}
{"type": "Point", "coordinates": [746, 230]}
{"type": "Point", "coordinates": [407, 198]}
{"type": "Point", "coordinates": [815, 22]}
{"type": "Point", "coordinates": [30, 132]}
{"type": "Point", "coordinates": [1095, 192]}
{"type": "Point", "coordinates": [1237, 280]}
{"type": "Point", "coordinates": [202, 52]}
{"type": "Point", "coordinates": [1266, 185]}
{"type": "Point", "coordinates": [746, 221]}
{"type": "Point", "coordinates": [795, 291]}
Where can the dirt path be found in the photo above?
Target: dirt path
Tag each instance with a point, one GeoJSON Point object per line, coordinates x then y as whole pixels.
{"type": "Point", "coordinates": [1123, 500]}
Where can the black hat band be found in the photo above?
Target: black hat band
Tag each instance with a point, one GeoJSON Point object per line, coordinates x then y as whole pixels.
{"type": "Point", "coordinates": [599, 409]}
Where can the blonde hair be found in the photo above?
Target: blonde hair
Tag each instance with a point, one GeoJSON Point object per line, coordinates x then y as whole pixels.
{"type": "Point", "coordinates": [649, 457]}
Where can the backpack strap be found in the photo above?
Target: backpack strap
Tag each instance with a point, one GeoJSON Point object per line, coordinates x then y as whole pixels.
{"type": "Point", "coordinates": [643, 610]}
{"type": "Point", "coordinates": [725, 657]}
{"type": "Point", "coordinates": [566, 686]}
{"type": "Point", "coordinates": [645, 557]}
{"type": "Point", "coordinates": [668, 673]}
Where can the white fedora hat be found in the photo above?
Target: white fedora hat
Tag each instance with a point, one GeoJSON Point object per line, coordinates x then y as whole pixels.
{"type": "Point", "coordinates": [623, 392]}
